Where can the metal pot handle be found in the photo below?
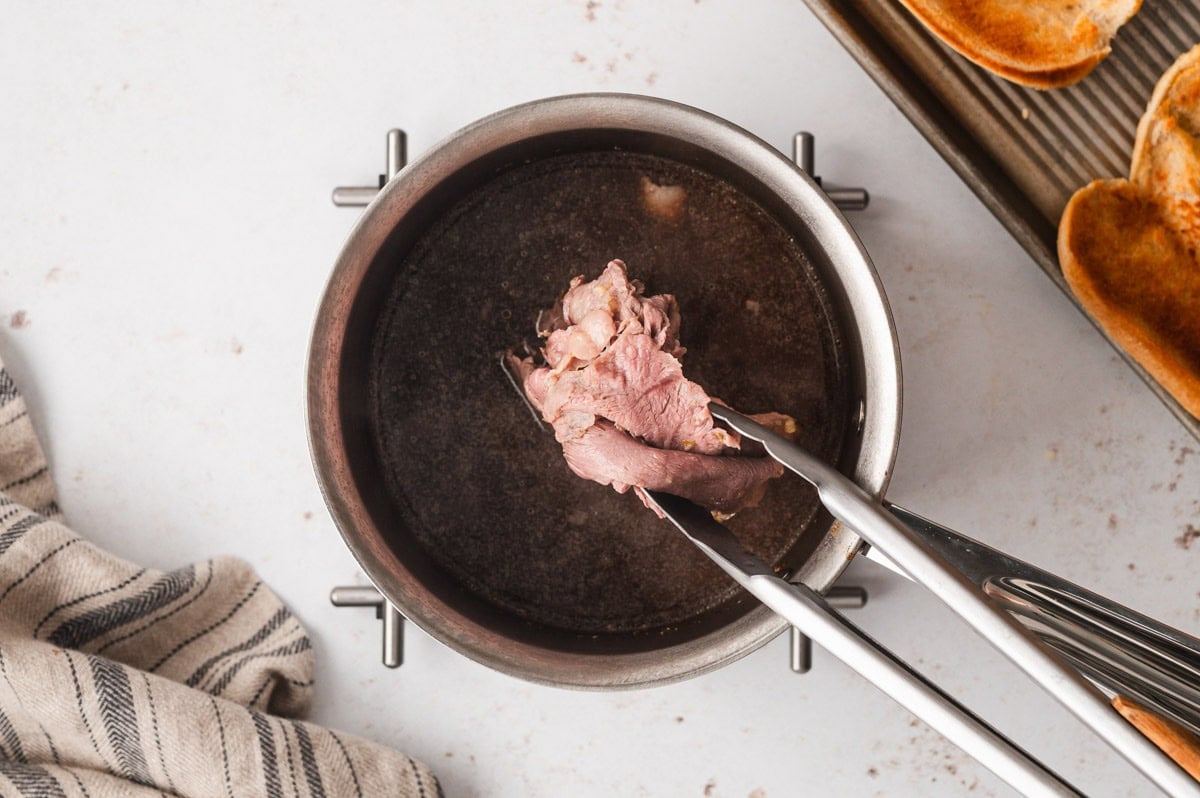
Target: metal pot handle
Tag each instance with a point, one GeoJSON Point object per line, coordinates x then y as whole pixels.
{"type": "Point", "coordinates": [1122, 651]}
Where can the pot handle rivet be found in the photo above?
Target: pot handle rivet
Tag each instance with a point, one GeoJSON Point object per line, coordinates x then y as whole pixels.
{"type": "Point", "coordinates": [804, 156]}
{"type": "Point", "coordinates": [397, 156]}
{"type": "Point", "coordinates": [841, 598]}
{"type": "Point", "coordinates": [393, 621]}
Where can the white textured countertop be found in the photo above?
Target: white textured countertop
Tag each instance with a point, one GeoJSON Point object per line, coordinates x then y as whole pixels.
{"type": "Point", "coordinates": [167, 233]}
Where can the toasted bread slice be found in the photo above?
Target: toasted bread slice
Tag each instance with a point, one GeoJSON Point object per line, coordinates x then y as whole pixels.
{"type": "Point", "coordinates": [1039, 43]}
{"type": "Point", "coordinates": [1130, 249]}
{"type": "Point", "coordinates": [1164, 151]}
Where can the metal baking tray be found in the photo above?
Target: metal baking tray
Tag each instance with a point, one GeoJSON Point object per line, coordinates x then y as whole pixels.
{"type": "Point", "coordinates": [1024, 152]}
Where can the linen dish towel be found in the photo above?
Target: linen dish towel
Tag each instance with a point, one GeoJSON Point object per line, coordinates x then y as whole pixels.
{"type": "Point", "coordinates": [117, 680]}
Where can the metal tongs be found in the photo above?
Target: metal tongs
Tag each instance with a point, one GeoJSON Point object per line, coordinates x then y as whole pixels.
{"type": "Point", "coordinates": [1118, 649]}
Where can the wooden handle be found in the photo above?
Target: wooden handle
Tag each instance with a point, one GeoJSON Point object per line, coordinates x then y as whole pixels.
{"type": "Point", "coordinates": [1174, 740]}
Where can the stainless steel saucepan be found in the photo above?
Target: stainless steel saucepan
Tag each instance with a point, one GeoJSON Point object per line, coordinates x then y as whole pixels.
{"type": "Point", "coordinates": [460, 513]}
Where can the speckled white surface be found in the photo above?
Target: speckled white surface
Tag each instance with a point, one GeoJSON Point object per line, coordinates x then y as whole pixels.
{"type": "Point", "coordinates": [167, 231]}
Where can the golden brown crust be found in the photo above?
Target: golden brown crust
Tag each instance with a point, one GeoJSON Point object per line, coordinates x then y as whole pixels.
{"type": "Point", "coordinates": [1164, 149]}
{"type": "Point", "coordinates": [1129, 248]}
{"type": "Point", "coordinates": [1054, 79]}
{"type": "Point", "coordinates": [1041, 44]}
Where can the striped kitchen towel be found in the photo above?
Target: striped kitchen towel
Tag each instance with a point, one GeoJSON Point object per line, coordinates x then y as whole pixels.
{"type": "Point", "coordinates": [117, 680]}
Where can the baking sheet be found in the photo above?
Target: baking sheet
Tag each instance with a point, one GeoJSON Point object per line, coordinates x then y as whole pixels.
{"type": "Point", "coordinates": [1023, 151]}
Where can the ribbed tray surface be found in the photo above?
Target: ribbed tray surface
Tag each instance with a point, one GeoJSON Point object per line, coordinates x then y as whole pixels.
{"type": "Point", "coordinates": [1024, 152]}
{"type": "Point", "coordinates": [1051, 142]}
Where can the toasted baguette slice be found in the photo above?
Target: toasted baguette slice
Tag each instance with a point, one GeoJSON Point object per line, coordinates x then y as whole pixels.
{"type": "Point", "coordinates": [1129, 248]}
{"type": "Point", "coordinates": [1164, 150]}
{"type": "Point", "coordinates": [1039, 43]}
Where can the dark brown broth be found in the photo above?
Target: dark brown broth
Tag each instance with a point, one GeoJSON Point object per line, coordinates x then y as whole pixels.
{"type": "Point", "coordinates": [484, 489]}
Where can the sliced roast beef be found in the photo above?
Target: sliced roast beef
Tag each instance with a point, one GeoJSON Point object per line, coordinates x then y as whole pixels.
{"type": "Point", "coordinates": [612, 386]}
{"type": "Point", "coordinates": [605, 454]}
